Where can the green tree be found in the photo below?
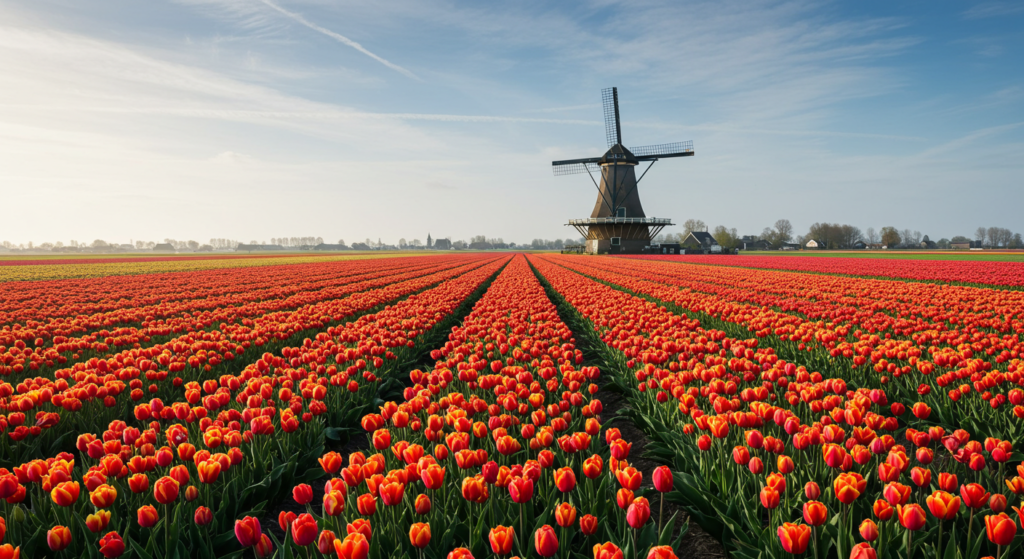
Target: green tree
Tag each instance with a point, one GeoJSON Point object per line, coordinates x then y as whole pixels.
{"type": "Point", "coordinates": [890, 237]}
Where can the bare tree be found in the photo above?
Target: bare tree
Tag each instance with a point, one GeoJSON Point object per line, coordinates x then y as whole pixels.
{"type": "Point", "coordinates": [871, 235]}
{"type": "Point", "coordinates": [783, 231]}
{"type": "Point", "coordinates": [981, 234]}
{"type": "Point", "coordinates": [691, 225]}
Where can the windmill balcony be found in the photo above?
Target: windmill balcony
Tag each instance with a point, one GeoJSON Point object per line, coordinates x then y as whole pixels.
{"type": "Point", "coordinates": [621, 221]}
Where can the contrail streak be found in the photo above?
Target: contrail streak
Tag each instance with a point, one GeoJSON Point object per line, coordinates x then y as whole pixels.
{"type": "Point", "coordinates": [340, 38]}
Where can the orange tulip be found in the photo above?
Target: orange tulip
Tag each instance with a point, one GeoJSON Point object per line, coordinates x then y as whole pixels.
{"type": "Point", "coordinates": [896, 493]}
{"type": "Point", "coordinates": [815, 513]}
{"type": "Point", "coordinates": [869, 530]}
{"type": "Point", "coordinates": [848, 487]}
{"type": "Point", "coordinates": [769, 498]}
{"type": "Point", "coordinates": [391, 493]}
{"type": "Point", "coordinates": [65, 494]}
{"type": "Point", "coordinates": [661, 552]}
{"type": "Point", "coordinates": [103, 496]}
{"type": "Point", "coordinates": [501, 538]}
{"type": "Point", "coordinates": [209, 471]}
{"type": "Point", "coordinates": [474, 489]}
{"type": "Point", "coordinates": [794, 537]}
{"type": "Point", "coordinates": [96, 521]}
{"type": "Point", "coordinates": [432, 476]}
{"type": "Point", "coordinates": [565, 515]}
{"type": "Point", "coordinates": [588, 525]}
{"type": "Point", "coordinates": [607, 550]}
{"type": "Point", "coordinates": [58, 538]}
{"type": "Point", "coordinates": [362, 526]}
{"type": "Point", "coordinates": [366, 504]}
{"type": "Point", "coordinates": [354, 546]}
{"type": "Point", "coordinates": [460, 553]}
{"type": "Point", "coordinates": [419, 535]}
{"type": "Point", "coordinates": [942, 505]}
{"type": "Point", "coordinates": [148, 516]}
{"type": "Point", "coordinates": [8, 551]}
{"type": "Point", "coordinates": [138, 483]}
{"type": "Point", "coordinates": [331, 462]}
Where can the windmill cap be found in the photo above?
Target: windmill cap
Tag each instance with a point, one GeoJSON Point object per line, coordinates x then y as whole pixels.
{"type": "Point", "coordinates": [618, 154]}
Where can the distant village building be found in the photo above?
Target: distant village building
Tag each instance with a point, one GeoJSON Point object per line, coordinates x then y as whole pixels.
{"type": "Point", "coordinates": [928, 244]}
{"type": "Point", "coordinates": [163, 247]}
{"type": "Point", "coordinates": [964, 245]}
{"type": "Point", "coordinates": [250, 248]}
{"type": "Point", "coordinates": [860, 245]}
{"type": "Point", "coordinates": [699, 239]}
{"type": "Point", "coordinates": [441, 244]}
{"type": "Point", "coordinates": [750, 242]}
{"type": "Point", "coordinates": [325, 246]}
{"type": "Point", "coordinates": [813, 244]}
{"type": "Point", "coordinates": [430, 242]}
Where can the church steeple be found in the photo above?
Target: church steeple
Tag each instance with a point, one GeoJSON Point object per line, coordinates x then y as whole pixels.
{"type": "Point", "coordinates": [430, 242]}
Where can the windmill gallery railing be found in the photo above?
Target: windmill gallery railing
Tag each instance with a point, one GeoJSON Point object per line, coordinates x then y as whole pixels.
{"type": "Point", "coordinates": [621, 226]}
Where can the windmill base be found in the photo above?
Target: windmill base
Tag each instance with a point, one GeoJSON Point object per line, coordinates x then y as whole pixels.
{"type": "Point", "coordinates": [626, 246]}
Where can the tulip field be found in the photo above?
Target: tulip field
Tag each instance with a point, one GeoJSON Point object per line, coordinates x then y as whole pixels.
{"type": "Point", "coordinates": [451, 406]}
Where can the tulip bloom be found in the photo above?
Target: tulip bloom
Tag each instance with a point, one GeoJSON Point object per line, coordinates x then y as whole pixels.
{"type": "Point", "coordinates": [661, 552]}
{"type": "Point", "coordinates": [794, 537]}
{"type": "Point", "coordinates": [354, 546]}
{"type": "Point", "coordinates": [997, 503]}
{"type": "Point", "coordinates": [520, 489]}
{"type": "Point", "coordinates": [361, 526]}
{"type": "Point", "coordinates": [942, 505]}
{"type": "Point", "coordinates": [912, 517]}
{"type": "Point", "coordinates": [432, 476]}
{"type": "Point", "coordinates": [331, 462]}
{"type": "Point", "coordinates": [863, 550]}
{"type": "Point", "coordinates": [58, 538]}
{"type": "Point", "coordinates": [545, 541]}
{"type": "Point", "coordinates": [302, 494]}
{"type": "Point", "coordinates": [66, 493]}
{"type": "Point", "coordinates": [165, 490]}
{"type": "Point", "coordinates": [325, 542]}
{"type": "Point", "coordinates": [565, 515]}
{"type": "Point", "coordinates": [148, 516]}
{"type": "Point", "coordinates": [1000, 528]}
{"type": "Point", "coordinates": [869, 530]}
{"type": "Point", "coordinates": [304, 529]}
{"type": "Point", "coordinates": [815, 513]}
{"type": "Point", "coordinates": [769, 498]}
{"type": "Point", "coordinates": [974, 496]}
{"type": "Point", "coordinates": [460, 553]}
{"type": "Point", "coordinates": [565, 479]}
{"type": "Point", "coordinates": [422, 504]}
{"type": "Point", "coordinates": [248, 531]}
{"type": "Point", "coordinates": [607, 550]}
{"type": "Point", "coordinates": [366, 504]}
{"type": "Point", "coordinates": [103, 496]}
{"type": "Point", "coordinates": [848, 487]}
{"type": "Point", "coordinates": [662, 478]}
{"type": "Point", "coordinates": [588, 525]}
{"type": "Point", "coordinates": [896, 493]}
{"type": "Point", "coordinates": [812, 491]}
{"type": "Point", "coordinates": [419, 535]}
{"type": "Point", "coordinates": [501, 538]}
{"type": "Point", "coordinates": [111, 545]}
{"type": "Point", "coordinates": [638, 513]}
{"type": "Point", "coordinates": [203, 516]}
{"type": "Point", "coordinates": [95, 522]}
{"type": "Point", "coordinates": [264, 547]}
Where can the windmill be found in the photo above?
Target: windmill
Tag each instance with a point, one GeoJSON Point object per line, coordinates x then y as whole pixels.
{"type": "Point", "coordinates": [618, 222]}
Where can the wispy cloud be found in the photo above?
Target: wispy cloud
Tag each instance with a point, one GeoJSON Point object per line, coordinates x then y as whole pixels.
{"type": "Point", "coordinates": [994, 9]}
{"type": "Point", "coordinates": [338, 37]}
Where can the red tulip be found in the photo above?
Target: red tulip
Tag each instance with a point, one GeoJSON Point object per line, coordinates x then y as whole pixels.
{"type": "Point", "coordinates": [661, 552]}
{"type": "Point", "coordinates": [148, 516]}
{"type": "Point", "coordinates": [248, 531]}
{"type": "Point", "coordinates": [863, 550]}
{"type": "Point", "coordinates": [974, 496]}
{"type": "Point", "coordinates": [588, 525]}
{"type": "Point", "coordinates": [1000, 529]}
{"type": "Point", "coordinates": [304, 530]}
{"type": "Point", "coordinates": [942, 505]}
{"type": "Point", "coordinates": [662, 478]}
{"type": "Point", "coordinates": [911, 516]}
{"type": "Point", "coordinates": [815, 513]}
{"type": "Point", "coordinates": [868, 530]}
{"type": "Point", "coordinates": [111, 545]}
{"type": "Point", "coordinates": [638, 513]}
{"type": "Point", "coordinates": [302, 494]}
{"type": "Point", "coordinates": [565, 479]}
{"type": "Point", "coordinates": [545, 541]}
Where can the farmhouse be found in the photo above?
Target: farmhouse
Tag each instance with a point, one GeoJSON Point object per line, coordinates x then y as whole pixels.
{"type": "Point", "coordinates": [813, 244]}
{"type": "Point", "coordinates": [965, 245]}
{"type": "Point", "coordinates": [699, 239]}
{"type": "Point", "coordinates": [443, 244]}
{"type": "Point", "coordinates": [163, 247]}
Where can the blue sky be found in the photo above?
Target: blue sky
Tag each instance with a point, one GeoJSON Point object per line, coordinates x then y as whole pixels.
{"type": "Point", "coordinates": [252, 119]}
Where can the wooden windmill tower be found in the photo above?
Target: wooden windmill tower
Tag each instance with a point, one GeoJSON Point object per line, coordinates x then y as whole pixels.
{"type": "Point", "coordinates": [618, 223]}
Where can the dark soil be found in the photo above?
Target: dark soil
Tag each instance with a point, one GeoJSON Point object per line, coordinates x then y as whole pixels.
{"type": "Point", "coordinates": [696, 544]}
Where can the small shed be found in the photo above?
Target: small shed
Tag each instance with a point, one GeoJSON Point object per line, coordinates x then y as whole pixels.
{"type": "Point", "coordinates": [815, 244]}
{"type": "Point", "coordinates": [860, 245]}
{"type": "Point", "coordinates": [964, 245]}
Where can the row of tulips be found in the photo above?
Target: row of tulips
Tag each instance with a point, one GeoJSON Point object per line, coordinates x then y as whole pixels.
{"type": "Point", "coordinates": [970, 384]}
{"type": "Point", "coordinates": [47, 271]}
{"type": "Point", "coordinates": [80, 321]}
{"type": "Point", "coordinates": [951, 271]}
{"type": "Point", "coordinates": [89, 395]}
{"type": "Point", "coordinates": [497, 450]}
{"type": "Point", "coordinates": [779, 461]}
{"type": "Point", "coordinates": [165, 486]}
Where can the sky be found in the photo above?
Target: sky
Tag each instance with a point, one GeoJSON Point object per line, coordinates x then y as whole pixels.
{"type": "Point", "coordinates": [253, 119]}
